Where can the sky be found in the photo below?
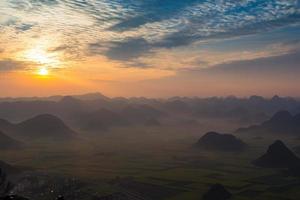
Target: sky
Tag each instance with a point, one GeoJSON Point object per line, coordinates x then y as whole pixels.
{"type": "Point", "coordinates": [154, 48]}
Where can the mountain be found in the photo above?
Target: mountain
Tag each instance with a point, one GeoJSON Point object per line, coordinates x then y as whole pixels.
{"type": "Point", "coordinates": [70, 104]}
{"type": "Point", "coordinates": [293, 171]}
{"type": "Point", "coordinates": [44, 126]}
{"type": "Point", "coordinates": [246, 110]}
{"type": "Point", "coordinates": [91, 96]}
{"type": "Point", "coordinates": [277, 156]}
{"type": "Point", "coordinates": [6, 126]}
{"type": "Point", "coordinates": [18, 111]}
{"type": "Point", "coordinates": [217, 192]}
{"type": "Point", "coordinates": [88, 96]}
{"type": "Point", "coordinates": [41, 126]}
{"type": "Point", "coordinates": [177, 106]}
{"type": "Point", "coordinates": [282, 122]}
{"type": "Point", "coordinates": [101, 120]}
{"type": "Point", "coordinates": [296, 149]}
{"type": "Point", "coordinates": [140, 113]}
{"type": "Point", "coordinates": [221, 142]}
{"type": "Point", "coordinates": [7, 142]}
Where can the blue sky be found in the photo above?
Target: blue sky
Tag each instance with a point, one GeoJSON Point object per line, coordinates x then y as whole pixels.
{"type": "Point", "coordinates": [164, 35]}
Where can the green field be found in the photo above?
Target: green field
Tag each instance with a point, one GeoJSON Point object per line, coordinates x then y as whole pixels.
{"type": "Point", "coordinates": [157, 163]}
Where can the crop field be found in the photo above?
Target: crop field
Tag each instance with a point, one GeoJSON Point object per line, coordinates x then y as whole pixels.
{"type": "Point", "coordinates": [158, 164]}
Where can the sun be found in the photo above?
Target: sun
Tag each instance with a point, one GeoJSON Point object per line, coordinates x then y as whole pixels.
{"type": "Point", "coordinates": [43, 71]}
{"type": "Point", "coordinates": [42, 59]}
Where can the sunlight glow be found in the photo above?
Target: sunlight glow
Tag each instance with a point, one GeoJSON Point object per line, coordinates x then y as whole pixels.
{"type": "Point", "coordinates": [43, 71]}
{"type": "Point", "coordinates": [40, 56]}
{"type": "Point", "coordinates": [41, 59]}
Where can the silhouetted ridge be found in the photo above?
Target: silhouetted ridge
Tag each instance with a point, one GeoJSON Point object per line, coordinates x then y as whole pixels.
{"type": "Point", "coordinates": [6, 126]}
{"type": "Point", "coordinates": [91, 96]}
{"type": "Point", "coordinates": [281, 116]}
{"type": "Point", "coordinates": [7, 142]}
{"type": "Point", "coordinates": [223, 142]}
{"type": "Point", "coordinates": [70, 104]}
{"type": "Point", "coordinates": [297, 118]}
{"type": "Point", "coordinates": [281, 123]}
{"type": "Point", "coordinates": [277, 156]}
{"type": "Point", "coordinates": [296, 149]}
{"type": "Point", "coordinates": [102, 119]}
{"type": "Point", "coordinates": [69, 99]}
{"type": "Point", "coordinates": [177, 106]}
{"type": "Point", "coordinates": [141, 113]}
{"type": "Point", "coordinates": [44, 126]}
{"type": "Point", "coordinates": [217, 192]}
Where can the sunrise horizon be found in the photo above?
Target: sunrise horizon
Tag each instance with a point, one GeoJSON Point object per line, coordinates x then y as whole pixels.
{"type": "Point", "coordinates": [149, 99]}
{"type": "Point", "coordinates": [101, 94]}
{"type": "Point", "coordinates": [132, 48]}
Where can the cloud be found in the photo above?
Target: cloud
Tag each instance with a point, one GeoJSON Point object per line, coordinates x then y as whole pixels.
{"type": "Point", "coordinates": [286, 63]}
{"type": "Point", "coordinates": [8, 65]}
{"type": "Point", "coordinates": [151, 12]}
{"type": "Point", "coordinates": [24, 27]}
{"type": "Point", "coordinates": [59, 48]}
{"type": "Point", "coordinates": [193, 58]}
{"type": "Point", "coordinates": [125, 51]}
{"type": "Point", "coordinates": [131, 29]}
{"type": "Point", "coordinates": [196, 21]}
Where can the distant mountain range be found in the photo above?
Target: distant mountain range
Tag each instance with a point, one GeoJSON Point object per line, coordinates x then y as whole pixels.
{"type": "Point", "coordinates": [41, 126]}
{"type": "Point", "coordinates": [88, 96]}
{"type": "Point", "coordinates": [220, 142]}
{"type": "Point", "coordinates": [277, 156]}
{"type": "Point", "coordinates": [77, 109]}
{"type": "Point", "coordinates": [281, 123]}
{"type": "Point", "coordinates": [101, 119]}
{"type": "Point", "coordinates": [141, 113]}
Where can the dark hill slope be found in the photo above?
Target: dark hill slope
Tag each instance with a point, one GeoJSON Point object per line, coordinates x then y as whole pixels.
{"type": "Point", "coordinates": [281, 123]}
{"type": "Point", "coordinates": [277, 156]}
{"type": "Point", "coordinates": [221, 142]}
{"type": "Point", "coordinates": [217, 192]}
{"type": "Point", "coordinates": [6, 126]}
{"type": "Point", "coordinates": [41, 126]}
{"type": "Point", "coordinates": [7, 142]}
{"type": "Point", "coordinates": [44, 126]}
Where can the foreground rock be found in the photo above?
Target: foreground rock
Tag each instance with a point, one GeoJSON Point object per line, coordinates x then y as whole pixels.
{"type": "Point", "coordinates": [217, 192]}
{"type": "Point", "coordinates": [277, 156]}
{"type": "Point", "coordinates": [221, 142]}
